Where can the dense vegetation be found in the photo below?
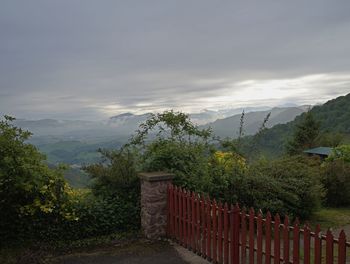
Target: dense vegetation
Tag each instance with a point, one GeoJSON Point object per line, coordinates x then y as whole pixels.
{"type": "Point", "coordinates": [334, 123]}
{"type": "Point", "coordinates": [37, 203]}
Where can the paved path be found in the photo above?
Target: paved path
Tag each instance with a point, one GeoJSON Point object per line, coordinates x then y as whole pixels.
{"type": "Point", "coordinates": [134, 253]}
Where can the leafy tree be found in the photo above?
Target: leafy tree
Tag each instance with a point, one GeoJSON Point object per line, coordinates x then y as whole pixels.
{"type": "Point", "coordinates": [176, 145]}
{"type": "Point", "coordinates": [116, 174]}
{"type": "Point", "coordinates": [330, 139]}
{"type": "Point", "coordinates": [290, 185]}
{"type": "Point", "coordinates": [336, 176]}
{"type": "Point", "coordinates": [174, 126]}
{"type": "Point", "coordinates": [29, 190]}
{"type": "Point", "coordinates": [305, 135]}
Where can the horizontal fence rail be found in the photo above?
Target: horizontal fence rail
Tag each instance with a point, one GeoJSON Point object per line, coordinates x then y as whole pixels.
{"type": "Point", "coordinates": [223, 233]}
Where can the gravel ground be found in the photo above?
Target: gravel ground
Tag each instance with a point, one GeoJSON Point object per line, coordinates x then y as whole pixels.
{"type": "Point", "coordinates": [137, 252]}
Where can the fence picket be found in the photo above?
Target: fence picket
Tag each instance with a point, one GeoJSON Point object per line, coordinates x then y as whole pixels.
{"type": "Point", "coordinates": [226, 233]}
{"type": "Point", "coordinates": [251, 236]}
{"type": "Point", "coordinates": [296, 242]}
{"type": "Point", "coordinates": [189, 220]}
{"type": "Point", "coordinates": [259, 239]}
{"type": "Point", "coordinates": [180, 216]}
{"type": "Point", "coordinates": [306, 244]}
{"type": "Point", "coordinates": [232, 234]}
{"type": "Point", "coordinates": [286, 239]}
{"type": "Point", "coordinates": [220, 222]}
{"type": "Point", "coordinates": [329, 247]}
{"type": "Point", "coordinates": [268, 238]}
{"type": "Point", "coordinates": [318, 245]}
{"type": "Point", "coordinates": [184, 218]}
{"type": "Point", "coordinates": [277, 242]}
{"type": "Point", "coordinates": [342, 248]}
{"type": "Point", "coordinates": [236, 219]}
{"type": "Point", "coordinates": [198, 225]}
{"type": "Point", "coordinates": [243, 236]}
{"type": "Point", "coordinates": [193, 222]}
{"type": "Point", "coordinates": [215, 231]}
{"type": "Point", "coordinates": [208, 212]}
{"type": "Point", "coordinates": [176, 213]}
{"type": "Point", "coordinates": [203, 226]}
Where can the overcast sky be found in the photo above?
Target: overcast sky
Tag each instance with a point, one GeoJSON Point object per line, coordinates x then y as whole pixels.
{"type": "Point", "coordinates": [84, 59]}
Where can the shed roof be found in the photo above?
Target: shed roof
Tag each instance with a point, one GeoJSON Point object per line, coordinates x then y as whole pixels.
{"type": "Point", "coordinates": [325, 151]}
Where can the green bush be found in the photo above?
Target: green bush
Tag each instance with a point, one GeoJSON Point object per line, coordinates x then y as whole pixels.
{"type": "Point", "coordinates": [36, 203]}
{"type": "Point", "coordinates": [286, 186]}
{"type": "Point", "coordinates": [29, 190]}
{"type": "Point", "coordinates": [115, 201]}
{"type": "Point", "coordinates": [290, 185]}
{"type": "Point", "coordinates": [336, 177]}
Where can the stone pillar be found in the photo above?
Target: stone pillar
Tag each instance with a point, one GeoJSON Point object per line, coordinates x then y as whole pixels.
{"type": "Point", "coordinates": [154, 203]}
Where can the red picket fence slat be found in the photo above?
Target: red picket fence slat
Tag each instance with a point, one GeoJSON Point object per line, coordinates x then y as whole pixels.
{"type": "Point", "coordinates": [220, 222]}
{"type": "Point", "coordinates": [215, 232]}
{"type": "Point", "coordinates": [286, 240]}
{"type": "Point", "coordinates": [259, 254]}
{"type": "Point", "coordinates": [223, 234]}
{"type": "Point", "coordinates": [243, 236]}
{"type": "Point", "coordinates": [193, 222]}
{"type": "Point", "coordinates": [277, 243]}
{"type": "Point", "coordinates": [209, 217]}
{"type": "Point", "coordinates": [296, 242]}
{"type": "Point", "coordinates": [226, 233]}
{"type": "Point", "coordinates": [251, 236]}
{"type": "Point", "coordinates": [204, 233]}
{"type": "Point", "coordinates": [268, 238]}
{"type": "Point", "coordinates": [306, 244]}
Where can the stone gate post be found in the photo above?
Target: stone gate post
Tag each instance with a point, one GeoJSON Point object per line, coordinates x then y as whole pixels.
{"type": "Point", "coordinates": [154, 203]}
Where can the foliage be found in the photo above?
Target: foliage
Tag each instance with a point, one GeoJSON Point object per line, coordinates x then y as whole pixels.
{"type": "Point", "coordinates": [98, 215]}
{"type": "Point", "coordinates": [333, 116]}
{"type": "Point", "coordinates": [288, 185]}
{"type": "Point", "coordinates": [175, 126]}
{"type": "Point", "coordinates": [285, 186]}
{"type": "Point", "coordinates": [330, 139]}
{"type": "Point", "coordinates": [336, 176]}
{"type": "Point", "coordinates": [341, 153]}
{"type": "Point", "coordinates": [177, 146]}
{"type": "Point", "coordinates": [37, 204]}
{"type": "Point", "coordinates": [305, 135]}
{"type": "Point", "coordinates": [116, 174]}
{"type": "Point", "coordinates": [28, 188]}
{"type": "Point", "coordinates": [116, 193]}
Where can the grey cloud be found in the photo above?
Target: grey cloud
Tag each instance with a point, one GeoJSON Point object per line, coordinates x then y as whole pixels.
{"type": "Point", "coordinates": [74, 58]}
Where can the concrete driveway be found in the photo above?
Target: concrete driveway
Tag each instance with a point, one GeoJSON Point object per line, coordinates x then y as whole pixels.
{"type": "Point", "coordinates": [144, 252]}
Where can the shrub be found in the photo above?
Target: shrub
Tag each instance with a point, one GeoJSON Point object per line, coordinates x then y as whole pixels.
{"type": "Point", "coordinates": [289, 185]}
{"type": "Point", "coordinates": [286, 186]}
{"type": "Point", "coordinates": [29, 190]}
{"type": "Point", "coordinates": [336, 177]}
{"type": "Point", "coordinates": [115, 201]}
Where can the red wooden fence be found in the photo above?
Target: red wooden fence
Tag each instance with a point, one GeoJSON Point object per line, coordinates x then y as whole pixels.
{"type": "Point", "coordinates": [227, 234]}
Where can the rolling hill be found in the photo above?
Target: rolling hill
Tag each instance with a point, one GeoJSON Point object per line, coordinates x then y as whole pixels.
{"type": "Point", "coordinates": [229, 127]}
{"type": "Point", "coordinates": [334, 117]}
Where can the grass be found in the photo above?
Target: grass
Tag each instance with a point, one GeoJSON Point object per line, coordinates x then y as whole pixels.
{"type": "Point", "coordinates": [331, 218]}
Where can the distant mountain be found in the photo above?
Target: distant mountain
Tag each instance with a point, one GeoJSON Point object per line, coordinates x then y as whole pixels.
{"type": "Point", "coordinates": [121, 126]}
{"type": "Point", "coordinates": [128, 122]}
{"type": "Point", "coordinates": [116, 127]}
{"type": "Point", "coordinates": [334, 116]}
{"type": "Point", "coordinates": [229, 127]}
{"type": "Point", "coordinates": [207, 116]}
